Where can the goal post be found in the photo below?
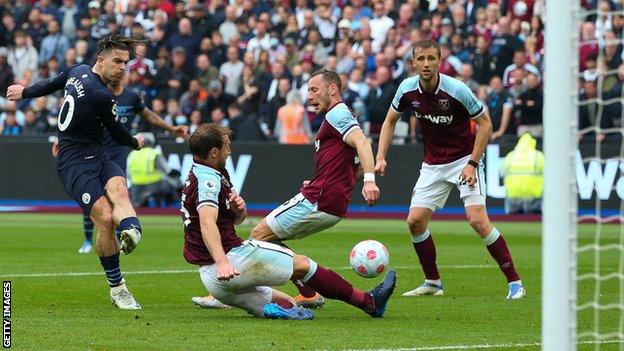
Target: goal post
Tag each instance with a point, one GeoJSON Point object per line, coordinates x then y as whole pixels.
{"type": "Point", "coordinates": [560, 193]}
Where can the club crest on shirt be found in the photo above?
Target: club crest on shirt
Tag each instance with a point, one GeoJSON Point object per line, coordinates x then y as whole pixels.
{"type": "Point", "coordinates": [444, 104]}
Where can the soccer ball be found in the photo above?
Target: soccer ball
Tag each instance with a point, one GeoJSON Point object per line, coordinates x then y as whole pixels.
{"type": "Point", "coordinates": [369, 258]}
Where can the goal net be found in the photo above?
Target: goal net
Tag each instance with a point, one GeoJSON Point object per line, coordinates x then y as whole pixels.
{"type": "Point", "coordinates": [583, 227]}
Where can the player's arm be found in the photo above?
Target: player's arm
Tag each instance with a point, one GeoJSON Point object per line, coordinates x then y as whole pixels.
{"type": "Point", "coordinates": [385, 139]}
{"type": "Point", "coordinates": [484, 131]}
{"type": "Point", "coordinates": [44, 87]}
{"type": "Point", "coordinates": [212, 239]}
{"type": "Point", "coordinates": [238, 206]}
{"type": "Point", "coordinates": [356, 139]}
{"type": "Point", "coordinates": [108, 115]}
{"type": "Point", "coordinates": [154, 119]}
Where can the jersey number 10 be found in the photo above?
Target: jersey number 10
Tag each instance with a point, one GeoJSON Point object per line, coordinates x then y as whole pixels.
{"type": "Point", "coordinates": [67, 112]}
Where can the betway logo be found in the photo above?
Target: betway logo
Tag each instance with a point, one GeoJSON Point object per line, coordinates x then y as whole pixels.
{"type": "Point", "coordinates": [237, 173]}
{"type": "Point", "coordinates": [436, 119]}
{"type": "Point", "coordinates": [589, 178]}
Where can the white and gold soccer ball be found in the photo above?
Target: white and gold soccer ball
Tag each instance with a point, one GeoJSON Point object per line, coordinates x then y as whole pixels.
{"type": "Point", "coordinates": [369, 258]}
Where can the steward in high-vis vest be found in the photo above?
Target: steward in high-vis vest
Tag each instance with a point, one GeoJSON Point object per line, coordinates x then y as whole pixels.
{"type": "Point", "coordinates": [150, 175]}
{"type": "Point", "coordinates": [523, 176]}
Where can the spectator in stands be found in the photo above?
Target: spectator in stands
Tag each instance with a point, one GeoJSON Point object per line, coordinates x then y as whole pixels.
{"type": "Point", "coordinates": [465, 75]}
{"type": "Point", "coordinates": [249, 93]}
{"type": "Point", "coordinates": [231, 72]}
{"type": "Point", "coordinates": [244, 127]}
{"type": "Point", "coordinates": [54, 44]}
{"type": "Point", "coordinates": [185, 39]}
{"type": "Point", "coordinates": [528, 108]}
{"type": "Point", "coordinates": [379, 99]}
{"type": "Point", "coordinates": [217, 116]}
{"type": "Point", "coordinates": [482, 61]}
{"type": "Point", "coordinates": [35, 27]}
{"type": "Point", "coordinates": [10, 125]}
{"type": "Point", "coordinates": [6, 73]}
{"type": "Point", "coordinates": [504, 46]}
{"type": "Point", "coordinates": [292, 125]}
{"type": "Point", "coordinates": [500, 106]}
{"type": "Point", "coordinates": [228, 27]}
{"type": "Point", "coordinates": [519, 63]}
{"type": "Point", "coordinates": [273, 105]}
{"type": "Point", "coordinates": [32, 125]}
{"type": "Point", "coordinates": [205, 71]}
{"type": "Point", "coordinates": [450, 64]}
{"type": "Point", "coordinates": [23, 57]}
{"type": "Point", "coordinates": [592, 115]}
{"type": "Point", "coordinates": [49, 11]}
{"type": "Point", "coordinates": [194, 98]}
{"type": "Point", "coordinates": [69, 18]}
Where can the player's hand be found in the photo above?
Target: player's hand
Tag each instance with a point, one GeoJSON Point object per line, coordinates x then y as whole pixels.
{"type": "Point", "coordinates": [380, 167]}
{"type": "Point", "coordinates": [141, 140]}
{"type": "Point", "coordinates": [469, 175]}
{"type": "Point", "coordinates": [370, 191]}
{"type": "Point", "coordinates": [14, 92]}
{"type": "Point", "coordinates": [237, 203]}
{"type": "Point", "coordinates": [305, 183]}
{"type": "Point", "coordinates": [181, 131]}
{"type": "Point", "coordinates": [225, 271]}
{"type": "Point", "coordinates": [55, 148]}
{"type": "Point", "coordinates": [495, 136]}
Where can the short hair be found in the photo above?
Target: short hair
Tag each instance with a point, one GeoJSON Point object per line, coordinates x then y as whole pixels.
{"type": "Point", "coordinates": [328, 77]}
{"type": "Point", "coordinates": [426, 44]}
{"type": "Point", "coordinates": [206, 137]}
{"type": "Point", "coordinates": [117, 42]}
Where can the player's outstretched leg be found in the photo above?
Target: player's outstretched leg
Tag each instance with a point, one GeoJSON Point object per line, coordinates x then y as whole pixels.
{"type": "Point", "coordinates": [285, 307]}
{"type": "Point", "coordinates": [87, 245]}
{"type": "Point", "coordinates": [331, 285]}
{"type": "Point", "coordinates": [107, 248]}
{"type": "Point", "coordinates": [497, 247]}
{"type": "Point", "coordinates": [124, 214]}
{"type": "Point", "coordinates": [307, 297]}
{"type": "Point", "coordinates": [424, 246]}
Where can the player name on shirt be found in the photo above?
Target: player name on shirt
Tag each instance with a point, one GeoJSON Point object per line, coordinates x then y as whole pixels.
{"type": "Point", "coordinates": [77, 84]}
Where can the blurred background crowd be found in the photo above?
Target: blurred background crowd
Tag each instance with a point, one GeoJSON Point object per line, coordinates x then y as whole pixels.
{"type": "Point", "coordinates": [245, 63]}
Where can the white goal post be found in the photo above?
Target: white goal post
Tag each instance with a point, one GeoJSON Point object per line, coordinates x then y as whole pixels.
{"type": "Point", "coordinates": [560, 193]}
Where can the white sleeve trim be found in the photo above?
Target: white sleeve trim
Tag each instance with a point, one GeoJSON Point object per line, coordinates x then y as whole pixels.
{"type": "Point", "coordinates": [355, 127]}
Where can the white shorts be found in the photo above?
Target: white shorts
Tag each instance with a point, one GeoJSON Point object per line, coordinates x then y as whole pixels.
{"type": "Point", "coordinates": [261, 265]}
{"type": "Point", "coordinates": [435, 182]}
{"type": "Point", "coordinates": [298, 217]}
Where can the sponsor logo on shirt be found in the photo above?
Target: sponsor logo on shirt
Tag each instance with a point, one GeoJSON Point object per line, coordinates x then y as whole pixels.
{"type": "Point", "coordinates": [436, 119]}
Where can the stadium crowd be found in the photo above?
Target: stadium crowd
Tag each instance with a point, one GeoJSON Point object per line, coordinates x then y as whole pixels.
{"type": "Point", "coordinates": [245, 64]}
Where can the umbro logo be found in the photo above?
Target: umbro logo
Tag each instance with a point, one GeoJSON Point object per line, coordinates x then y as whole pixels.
{"type": "Point", "coordinates": [415, 104]}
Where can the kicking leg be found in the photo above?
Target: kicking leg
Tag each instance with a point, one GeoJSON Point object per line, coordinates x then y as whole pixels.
{"type": "Point", "coordinates": [123, 213]}
{"type": "Point", "coordinates": [307, 296]}
{"type": "Point", "coordinates": [497, 247]}
{"type": "Point", "coordinates": [107, 249]}
{"type": "Point", "coordinates": [331, 285]}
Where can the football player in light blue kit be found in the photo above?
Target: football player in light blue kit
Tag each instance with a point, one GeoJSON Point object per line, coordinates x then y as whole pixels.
{"type": "Point", "coordinates": [445, 108]}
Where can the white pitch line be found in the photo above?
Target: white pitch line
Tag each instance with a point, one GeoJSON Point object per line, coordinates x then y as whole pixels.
{"type": "Point", "coordinates": [78, 274]}
{"type": "Point", "coordinates": [182, 271]}
{"type": "Point", "coordinates": [485, 346]}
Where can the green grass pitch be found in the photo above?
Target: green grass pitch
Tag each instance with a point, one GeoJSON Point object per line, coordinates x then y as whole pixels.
{"type": "Point", "coordinates": [55, 310]}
